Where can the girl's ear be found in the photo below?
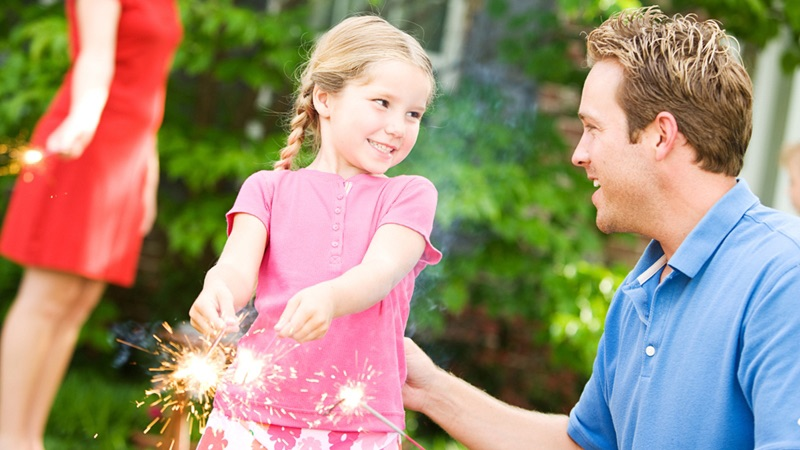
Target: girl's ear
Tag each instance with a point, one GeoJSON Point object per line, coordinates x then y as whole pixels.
{"type": "Point", "coordinates": [320, 99]}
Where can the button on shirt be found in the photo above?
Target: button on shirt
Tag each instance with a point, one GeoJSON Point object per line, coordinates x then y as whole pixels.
{"type": "Point", "coordinates": [709, 357]}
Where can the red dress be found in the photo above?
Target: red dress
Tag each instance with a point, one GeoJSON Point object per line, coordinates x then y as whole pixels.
{"type": "Point", "coordinates": [83, 216]}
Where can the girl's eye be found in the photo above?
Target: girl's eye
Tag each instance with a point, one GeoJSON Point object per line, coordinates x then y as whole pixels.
{"type": "Point", "coordinates": [415, 114]}
{"type": "Point", "coordinates": [382, 102]}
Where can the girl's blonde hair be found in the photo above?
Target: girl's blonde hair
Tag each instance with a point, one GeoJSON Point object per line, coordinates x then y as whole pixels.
{"type": "Point", "coordinates": [343, 54]}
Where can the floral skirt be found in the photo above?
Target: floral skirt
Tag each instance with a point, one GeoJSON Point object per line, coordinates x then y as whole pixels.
{"type": "Point", "coordinates": [222, 432]}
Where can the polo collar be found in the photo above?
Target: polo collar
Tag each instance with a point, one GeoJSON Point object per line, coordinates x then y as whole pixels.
{"type": "Point", "coordinates": [708, 234]}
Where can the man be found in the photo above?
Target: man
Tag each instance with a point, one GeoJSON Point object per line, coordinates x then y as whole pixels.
{"type": "Point", "coordinates": [701, 347]}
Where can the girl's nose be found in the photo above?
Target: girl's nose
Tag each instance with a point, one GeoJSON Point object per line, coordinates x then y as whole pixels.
{"type": "Point", "coordinates": [395, 126]}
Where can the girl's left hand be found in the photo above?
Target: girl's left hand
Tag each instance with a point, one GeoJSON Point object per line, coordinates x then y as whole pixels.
{"type": "Point", "coordinates": [308, 314]}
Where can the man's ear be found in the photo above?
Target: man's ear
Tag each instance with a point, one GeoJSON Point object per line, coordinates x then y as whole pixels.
{"type": "Point", "coordinates": [320, 99]}
{"type": "Point", "coordinates": [665, 126]}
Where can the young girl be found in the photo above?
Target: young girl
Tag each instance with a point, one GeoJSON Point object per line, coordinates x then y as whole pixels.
{"type": "Point", "coordinates": [332, 251]}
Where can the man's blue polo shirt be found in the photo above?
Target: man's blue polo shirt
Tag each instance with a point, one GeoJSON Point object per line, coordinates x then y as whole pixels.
{"type": "Point", "coordinates": [709, 358]}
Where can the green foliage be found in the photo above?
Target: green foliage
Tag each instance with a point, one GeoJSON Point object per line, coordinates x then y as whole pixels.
{"type": "Point", "coordinates": [229, 56]}
{"type": "Point", "coordinates": [33, 55]}
{"type": "Point", "coordinates": [96, 410]}
{"type": "Point", "coordinates": [755, 22]}
{"type": "Point", "coordinates": [524, 263]}
{"type": "Point", "coordinates": [513, 213]}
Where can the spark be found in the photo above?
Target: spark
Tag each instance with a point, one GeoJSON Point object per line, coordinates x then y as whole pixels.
{"type": "Point", "coordinates": [16, 155]}
{"type": "Point", "coordinates": [31, 156]}
{"type": "Point", "coordinates": [192, 367]}
{"type": "Point", "coordinates": [186, 380]}
{"type": "Point", "coordinates": [351, 398]}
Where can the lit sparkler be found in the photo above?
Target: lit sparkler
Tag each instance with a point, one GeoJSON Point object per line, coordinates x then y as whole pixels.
{"type": "Point", "coordinates": [186, 379]}
{"type": "Point", "coordinates": [15, 156]}
{"type": "Point", "coordinates": [192, 367]}
{"type": "Point", "coordinates": [352, 397]}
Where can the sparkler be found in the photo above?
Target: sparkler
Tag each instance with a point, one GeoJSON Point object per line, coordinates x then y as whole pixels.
{"type": "Point", "coordinates": [193, 366]}
{"type": "Point", "coordinates": [17, 155]}
{"type": "Point", "coordinates": [186, 379]}
{"type": "Point", "coordinates": [351, 397]}
{"type": "Point", "coordinates": [185, 383]}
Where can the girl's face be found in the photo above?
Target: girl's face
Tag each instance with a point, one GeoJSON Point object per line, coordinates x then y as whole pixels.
{"type": "Point", "coordinates": [372, 124]}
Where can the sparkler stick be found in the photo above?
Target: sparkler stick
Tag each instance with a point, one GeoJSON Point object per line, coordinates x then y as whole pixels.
{"type": "Point", "coordinates": [351, 397]}
{"type": "Point", "coordinates": [216, 342]}
{"type": "Point", "coordinates": [380, 417]}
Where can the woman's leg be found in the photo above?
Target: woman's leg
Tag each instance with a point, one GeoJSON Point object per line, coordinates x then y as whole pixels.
{"type": "Point", "coordinates": [38, 341]}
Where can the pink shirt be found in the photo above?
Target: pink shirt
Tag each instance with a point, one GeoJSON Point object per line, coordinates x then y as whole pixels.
{"type": "Point", "coordinates": [319, 226]}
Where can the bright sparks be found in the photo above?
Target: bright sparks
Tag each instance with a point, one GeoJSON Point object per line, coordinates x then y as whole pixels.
{"type": "Point", "coordinates": [248, 367]}
{"type": "Point", "coordinates": [32, 156]}
{"type": "Point", "coordinates": [351, 396]}
{"type": "Point", "coordinates": [185, 382]}
{"type": "Point", "coordinates": [16, 155]}
{"type": "Point", "coordinates": [197, 374]}
{"type": "Point", "coordinates": [351, 399]}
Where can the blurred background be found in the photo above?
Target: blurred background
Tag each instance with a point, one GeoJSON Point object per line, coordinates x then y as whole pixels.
{"type": "Point", "coordinates": [517, 304]}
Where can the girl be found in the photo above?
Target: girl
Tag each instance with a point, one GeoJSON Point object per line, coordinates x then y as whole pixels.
{"type": "Point", "coordinates": [332, 250]}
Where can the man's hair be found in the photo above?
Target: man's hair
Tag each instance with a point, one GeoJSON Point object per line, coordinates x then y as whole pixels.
{"type": "Point", "coordinates": [686, 67]}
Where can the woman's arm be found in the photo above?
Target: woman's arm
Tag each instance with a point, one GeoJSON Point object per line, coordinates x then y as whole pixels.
{"type": "Point", "coordinates": [92, 73]}
{"type": "Point", "coordinates": [150, 193]}
{"type": "Point", "coordinates": [392, 254]}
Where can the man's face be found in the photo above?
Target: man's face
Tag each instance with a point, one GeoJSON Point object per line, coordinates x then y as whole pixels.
{"type": "Point", "coordinates": [619, 169]}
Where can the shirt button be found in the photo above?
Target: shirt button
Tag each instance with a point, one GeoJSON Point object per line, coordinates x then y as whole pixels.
{"type": "Point", "coordinates": [337, 210]}
{"type": "Point", "coordinates": [340, 196]}
{"type": "Point", "coordinates": [334, 244]}
{"type": "Point", "coordinates": [335, 227]}
{"type": "Point", "coordinates": [650, 350]}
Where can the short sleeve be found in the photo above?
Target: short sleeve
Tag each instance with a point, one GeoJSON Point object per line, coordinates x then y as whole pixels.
{"type": "Point", "coordinates": [415, 207]}
{"type": "Point", "coordinates": [590, 424]}
{"type": "Point", "coordinates": [769, 371]}
{"type": "Point", "coordinates": [254, 198]}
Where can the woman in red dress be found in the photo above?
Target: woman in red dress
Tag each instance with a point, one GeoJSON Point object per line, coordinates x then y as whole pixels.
{"type": "Point", "coordinates": [76, 220]}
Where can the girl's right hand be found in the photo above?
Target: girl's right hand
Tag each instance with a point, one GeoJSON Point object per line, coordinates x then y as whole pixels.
{"type": "Point", "coordinates": [213, 311]}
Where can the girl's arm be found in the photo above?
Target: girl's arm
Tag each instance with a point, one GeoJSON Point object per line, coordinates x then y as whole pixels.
{"type": "Point", "coordinates": [392, 254]}
{"type": "Point", "coordinates": [229, 285]}
{"type": "Point", "coordinates": [91, 76]}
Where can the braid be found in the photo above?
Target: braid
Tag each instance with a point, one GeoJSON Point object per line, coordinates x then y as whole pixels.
{"type": "Point", "coordinates": [304, 117]}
